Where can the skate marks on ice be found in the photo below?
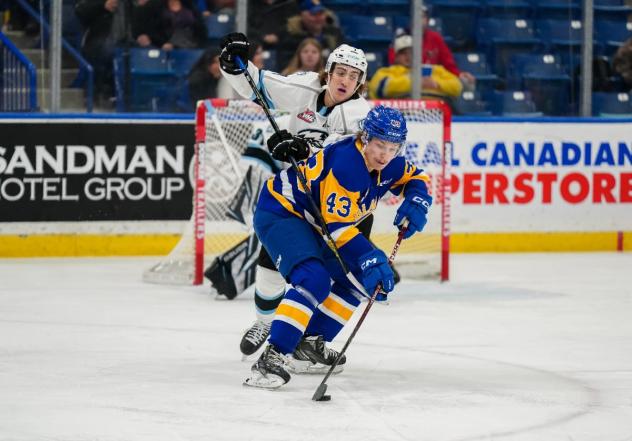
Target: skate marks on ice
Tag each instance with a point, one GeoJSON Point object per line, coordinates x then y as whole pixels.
{"type": "Point", "coordinates": [444, 395]}
{"type": "Point", "coordinates": [92, 353]}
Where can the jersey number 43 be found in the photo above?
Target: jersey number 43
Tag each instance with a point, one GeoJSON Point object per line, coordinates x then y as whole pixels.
{"type": "Point", "coordinates": [340, 205]}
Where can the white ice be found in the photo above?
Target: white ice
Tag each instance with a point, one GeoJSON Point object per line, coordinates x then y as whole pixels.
{"type": "Point", "coordinates": [533, 347]}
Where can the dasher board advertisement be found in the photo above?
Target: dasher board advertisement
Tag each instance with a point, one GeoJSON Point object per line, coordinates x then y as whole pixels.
{"type": "Point", "coordinates": [65, 170]}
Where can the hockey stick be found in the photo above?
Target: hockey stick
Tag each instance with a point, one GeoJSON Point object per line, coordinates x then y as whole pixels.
{"type": "Point", "coordinates": [304, 183]}
{"type": "Point", "coordinates": [319, 394]}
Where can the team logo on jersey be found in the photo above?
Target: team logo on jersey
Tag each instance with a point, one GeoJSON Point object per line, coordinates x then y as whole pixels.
{"type": "Point", "coordinates": [307, 116]}
{"type": "Point", "coordinates": [312, 133]}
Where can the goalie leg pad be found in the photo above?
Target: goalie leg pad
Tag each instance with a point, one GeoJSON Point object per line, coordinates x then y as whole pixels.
{"type": "Point", "coordinates": [234, 271]}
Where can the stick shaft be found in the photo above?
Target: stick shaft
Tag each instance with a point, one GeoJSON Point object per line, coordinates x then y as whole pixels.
{"type": "Point", "coordinates": [391, 258]}
{"type": "Point", "coordinates": [301, 177]}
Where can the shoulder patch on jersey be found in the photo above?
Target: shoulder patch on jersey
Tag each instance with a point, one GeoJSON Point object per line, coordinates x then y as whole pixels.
{"type": "Point", "coordinates": [307, 115]}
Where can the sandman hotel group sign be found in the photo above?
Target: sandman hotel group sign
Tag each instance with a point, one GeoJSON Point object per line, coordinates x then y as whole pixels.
{"type": "Point", "coordinates": [91, 170]}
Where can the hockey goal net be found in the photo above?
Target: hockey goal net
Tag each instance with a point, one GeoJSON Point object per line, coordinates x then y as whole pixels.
{"type": "Point", "coordinates": [229, 168]}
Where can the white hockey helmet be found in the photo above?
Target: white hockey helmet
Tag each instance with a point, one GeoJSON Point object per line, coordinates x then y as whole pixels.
{"type": "Point", "coordinates": [350, 56]}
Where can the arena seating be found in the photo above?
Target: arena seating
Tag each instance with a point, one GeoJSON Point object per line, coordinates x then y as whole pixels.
{"type": "Point", "coordinates": [524, 54]}
{"type": "Point", "coordinates": [514, 103]}
{"type": "Point", "coordinates": [611, 104]}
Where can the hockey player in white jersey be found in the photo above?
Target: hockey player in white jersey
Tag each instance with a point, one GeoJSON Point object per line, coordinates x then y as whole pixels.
{"type": "Point", "coordinates": [323, 107]}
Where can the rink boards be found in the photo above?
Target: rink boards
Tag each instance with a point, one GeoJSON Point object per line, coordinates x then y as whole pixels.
{"type": "Point", "coordinates": [121, 186]}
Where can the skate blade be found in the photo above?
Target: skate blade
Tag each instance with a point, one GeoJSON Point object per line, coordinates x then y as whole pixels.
{"type": "Point", "coordinates": [302, 367]}
{"type": "Point", "coordinates": [271, 382]}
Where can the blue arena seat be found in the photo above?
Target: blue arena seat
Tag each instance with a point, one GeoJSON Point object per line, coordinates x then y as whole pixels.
{"type": "Point", "coordinates": [148, 61]}
{"type": "Point", "coordinates": [389, 7]}
{"type": "Point", "coordinates": [375, 60]}
{"type": "Point", "coordinates": [612, 34]}
{"type": "Point", "coordinates": [614, 10]}
{"type": "Point", "coordinates": [557, 9]}
{"type": "Point", "coordinates": [508, 8]}
{"type": "Point", "coordinates": [346, 6]}
{"type": "Point", "coordinates": [476, 64]}
{"type": "Point", "coordinates": [218, 25]}
{"type": "Point", "coordinates": [403, 22]}
{"type": "Point", "coordinates": [560, 35]}
{"type": "Point", "coordinates": [514, 103]}
{"type": "Point", "coordinates": [181, 61]}
{"type": "Point", "coordinates": [459, 20]}
{"type": "Point", "coordinates": [368, 32]}
{"type": "Point", "coordinates": [153, 84]}
{"type": "Point", "coordinates": [471, 104]}
{"type": "Point", "coordinates": [612, 104]}
{"type": "Point", "coordinates": [503, 38]}
{"type": "Point", "coordinates": [545, 78]}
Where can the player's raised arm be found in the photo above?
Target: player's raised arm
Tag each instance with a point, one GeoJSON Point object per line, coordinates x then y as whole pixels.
{"type": "Point", "coordinates": [279, 91]}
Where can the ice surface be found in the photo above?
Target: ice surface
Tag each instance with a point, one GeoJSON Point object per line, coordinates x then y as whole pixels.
{"type": "Point", "coordinates": [530, 347]}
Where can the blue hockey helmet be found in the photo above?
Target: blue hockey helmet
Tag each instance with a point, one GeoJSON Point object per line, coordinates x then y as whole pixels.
{"type": "Point", "coordinates": [386, 123]}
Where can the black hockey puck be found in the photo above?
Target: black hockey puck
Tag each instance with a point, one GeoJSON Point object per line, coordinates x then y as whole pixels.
{"type": "Point", "coordinates": [325, 398]}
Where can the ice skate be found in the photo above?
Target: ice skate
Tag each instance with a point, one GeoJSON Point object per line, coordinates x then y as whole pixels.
{"type": "Point", "coordinates": [313, 357]}
{"type": "Point", "coordinates": [254, 338]}
{"type": "Point", "coordinates": [269, 372]}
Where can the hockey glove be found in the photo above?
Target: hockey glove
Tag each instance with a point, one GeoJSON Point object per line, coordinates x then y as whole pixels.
{"type": "Point", "coordinates": [233, 45]}
{"type": "Point", "coordinates": [415, 209]}
{"type": "Point", "coordinates": [282, 145]}
{"type": "Point", "coordinates": [376, 270]}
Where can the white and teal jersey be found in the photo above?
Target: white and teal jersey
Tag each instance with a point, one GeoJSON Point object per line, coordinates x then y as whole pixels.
{"type": "Point", "coordinates": [298, 94]}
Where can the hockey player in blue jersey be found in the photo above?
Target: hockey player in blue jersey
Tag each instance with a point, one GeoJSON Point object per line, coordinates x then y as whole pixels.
{"type": "Point", "coordinates": [346, 180]}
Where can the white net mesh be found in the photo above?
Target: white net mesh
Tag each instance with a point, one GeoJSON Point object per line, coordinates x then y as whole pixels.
{"type": "Point", "coordinates": [233, 182]}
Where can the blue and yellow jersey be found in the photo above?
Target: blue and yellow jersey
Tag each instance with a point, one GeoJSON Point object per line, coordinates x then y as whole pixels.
{"type": "Point", "coordinates": [344, 190]}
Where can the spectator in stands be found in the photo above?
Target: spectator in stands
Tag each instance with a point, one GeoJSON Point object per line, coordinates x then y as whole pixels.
{"type": "Point", "coordinates": [169, 24]}
{"type": "Point", "coordinates": [266, 18]}
{"type": "Point", "coordinates": [205, 76]}
{"type": "Point", "coordinates": [308, 58]}
{"type": "Point", "coordinates": [437, 52]}
{"type": "Point", "coordinates": [108, 25]}
{"type": "Point", "coordinates": [395, 81]}
{"type": "Point", "coordinates": [256, 53]}
{"type": "Point", "coordinates": [313, 21]}
{"type": "Point", "coordinates": [622, 63]}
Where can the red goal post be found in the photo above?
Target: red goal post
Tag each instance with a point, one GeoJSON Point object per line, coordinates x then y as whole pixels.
{"type": "Point", "coordinates": [429, 146]}
{"type": "Point", "coordinates": [226, 128]}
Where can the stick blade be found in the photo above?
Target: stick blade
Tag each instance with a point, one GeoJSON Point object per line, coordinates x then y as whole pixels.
{"type": "Point", "coordinates": [320, 392]}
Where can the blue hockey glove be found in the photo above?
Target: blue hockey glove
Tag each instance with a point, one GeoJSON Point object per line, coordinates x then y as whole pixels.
{"type": "Point", "coordinates": [415, 209]}
{"type": "Point", "coordinates": [375, 269]}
